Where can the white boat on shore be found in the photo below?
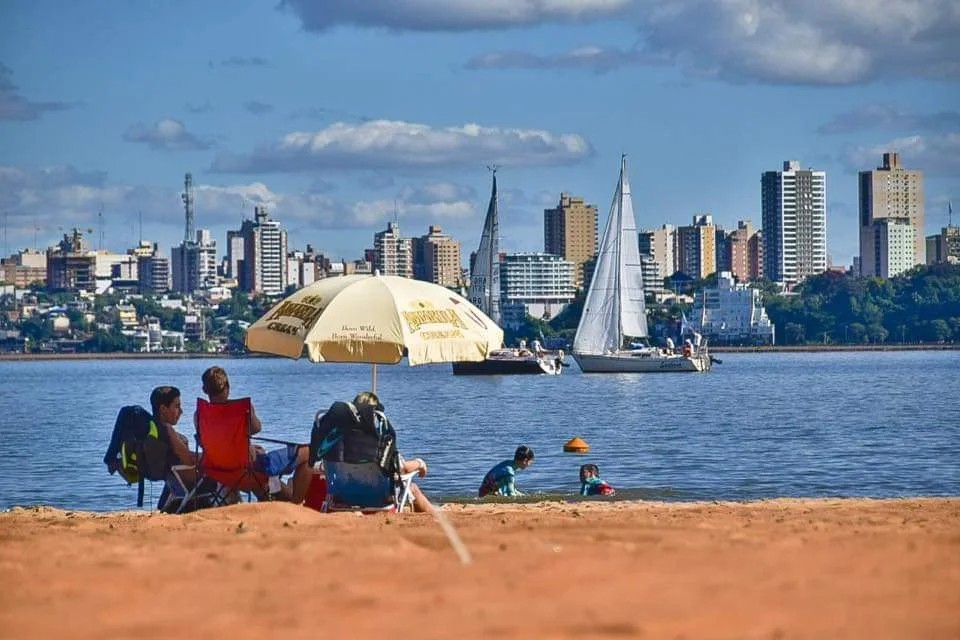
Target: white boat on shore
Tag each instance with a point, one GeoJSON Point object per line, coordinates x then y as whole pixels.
{"type": "Point", "coordinates": [614, 313]}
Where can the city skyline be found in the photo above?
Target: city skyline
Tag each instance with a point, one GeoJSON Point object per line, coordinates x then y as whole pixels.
{"type": "Point", "coordinates": [338, 118]}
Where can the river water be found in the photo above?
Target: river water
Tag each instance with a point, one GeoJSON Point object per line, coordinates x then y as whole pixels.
{"type": "Point", "coordinates": [760, 425]}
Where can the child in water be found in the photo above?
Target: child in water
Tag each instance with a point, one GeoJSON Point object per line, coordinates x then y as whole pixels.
{"type": "Point", "coordinates": [591, 484]}
{"type": "Point", "coordinates": [500, 480]}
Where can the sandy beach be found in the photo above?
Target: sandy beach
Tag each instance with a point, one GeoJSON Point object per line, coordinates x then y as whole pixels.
{"type": "Point", "coordinates": [770, 569]}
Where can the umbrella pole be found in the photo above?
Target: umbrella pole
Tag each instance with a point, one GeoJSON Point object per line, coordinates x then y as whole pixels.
{"type": "Point", "coordinates": [373, 378]}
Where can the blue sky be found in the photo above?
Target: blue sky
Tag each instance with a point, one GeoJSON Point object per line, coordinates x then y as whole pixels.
{"type": "Point", "coordinates": [339, 114]}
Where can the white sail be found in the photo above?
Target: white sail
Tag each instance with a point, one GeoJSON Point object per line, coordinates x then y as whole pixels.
{"type": "Point", "coordinates": [614, 305]}
{"type": "Point", "coordinates": [484, 290]}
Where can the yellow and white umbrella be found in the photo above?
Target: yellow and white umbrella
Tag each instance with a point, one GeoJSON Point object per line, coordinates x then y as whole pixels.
{"type": "Point", "coordinates": [374, 319]}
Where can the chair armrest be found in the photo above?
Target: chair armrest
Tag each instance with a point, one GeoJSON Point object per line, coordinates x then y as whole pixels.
{"type": "Point", "coordinates": [286, 442]}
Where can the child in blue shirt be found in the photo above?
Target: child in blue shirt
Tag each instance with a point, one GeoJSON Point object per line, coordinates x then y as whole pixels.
{"type": "Point", "coordinates": [501, 479]}
{"type": "Point", "coordinates": [591, 484]}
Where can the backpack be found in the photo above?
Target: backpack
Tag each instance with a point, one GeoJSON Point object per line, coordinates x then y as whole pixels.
{"type": "Point", "coordinates": [139, 449]}
{"type": "Point", "coordinates": [345, 433]}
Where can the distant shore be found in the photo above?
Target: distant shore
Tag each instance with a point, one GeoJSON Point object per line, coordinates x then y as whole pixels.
{"type": "Point", "coordinates": [718, 349]}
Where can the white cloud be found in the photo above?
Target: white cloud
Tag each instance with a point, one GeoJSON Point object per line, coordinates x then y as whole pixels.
{"type": "Point", "coordinates": [448, 15]}
{"type": "Point", "coordinates": [937, 155]}
{"type": "Point", "coordinates": [829, 42]}
{"type": "Point", "coordinates": [167, 134]}
{"type": "Point", "coordinates": [816, 42]}
{"type": "Point", "coordinates": [383, 144]}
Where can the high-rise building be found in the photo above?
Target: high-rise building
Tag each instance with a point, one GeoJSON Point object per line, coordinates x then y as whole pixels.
{"type": "Point", "coordinates": [744, 250]}
{"type": "Point", "coordinates": [794, 206]}
{"type": "Point", "coordinates": [570, 231]}
{"type": "Point", "coordinates": [393, 255]}
{"type": "Point", "coordinates": [661, 245]}
{"type": "Point", "coordinates": [436, 258]}
{"type": "Point", "coordinates": [893, 246]}
{"type": "Point", "coordinates": [536, 284]}
{"type": "Point", "coordinates": [71, 266]}
{"type": "Point", "coordinates": [234, 253]}
{"type": "Point", "coordinates": [721, 249]}
{"type": "Point", "coordinates": [697, 247]}
{"type": "Point", "coordinates": [890, 191]}
{"type": "Point", "coordinates": [264, 267]}
{"type": "Point", "coordinates": [153, 273]}
{"type": "Point", "coordinates": [195, 264]}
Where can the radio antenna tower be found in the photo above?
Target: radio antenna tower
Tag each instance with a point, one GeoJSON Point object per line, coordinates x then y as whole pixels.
{"type": "Point", "coordinates": [187, 197]}
{"type": "Point", "coordinates": [100, 225]}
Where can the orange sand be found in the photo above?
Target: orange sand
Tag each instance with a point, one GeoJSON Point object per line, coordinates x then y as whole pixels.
{"type": "Point", "coordinates": [772, 569]}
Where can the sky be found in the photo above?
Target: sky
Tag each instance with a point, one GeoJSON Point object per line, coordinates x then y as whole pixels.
{"type": "Point", "coordinates": [340, 116]}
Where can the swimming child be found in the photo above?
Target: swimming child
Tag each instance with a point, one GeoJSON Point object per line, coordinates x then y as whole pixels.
{"type": "Point", "coordinates": [591, 484]}
{"type": "Point", "coordinates": [500, 480]}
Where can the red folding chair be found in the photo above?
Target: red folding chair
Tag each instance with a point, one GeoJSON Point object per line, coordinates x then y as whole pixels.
{"type": "Point", "coordinates": [223, 433]}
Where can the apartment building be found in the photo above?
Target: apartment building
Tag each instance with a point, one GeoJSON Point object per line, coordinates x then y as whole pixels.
{"type": "Point", "coordinates": [570, 231]}
{"type": "Point", "coordinates": [794, 209]}
{"type": "Point", "coordinates": [890, 192]}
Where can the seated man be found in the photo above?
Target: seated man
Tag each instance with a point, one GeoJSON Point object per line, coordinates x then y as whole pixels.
{"type": "Point", "coordinates": [165, 403]}
{"type": "Point", "coordinates": [359, 433]}
{"type": "Point", "coordinates": [291, 459]}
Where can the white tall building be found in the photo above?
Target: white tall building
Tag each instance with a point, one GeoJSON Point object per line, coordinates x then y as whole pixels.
{"type": "Point", "coordinates": [195, 264]}
{"type": "Point", "coordinates": [536, 284]}
{"type": "Point", "coordinates": [264, 254]}
{"type": "Point", "coordinates": [794, 206]}
{"type": "Point", "coordinates": [894, 244]}
{"type": "Point", "coordinates": [393, 255]}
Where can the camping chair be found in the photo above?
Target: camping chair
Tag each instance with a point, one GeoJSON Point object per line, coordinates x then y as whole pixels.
{"type": "Point", "coordinates": [355, 482]}
{"type": "Point", "coordinates": [366, 487]}
{"type": "Point", "coordinates": [223, 434]}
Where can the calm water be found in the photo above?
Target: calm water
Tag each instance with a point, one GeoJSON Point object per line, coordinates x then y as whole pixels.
{"type": "Point", "coordinates": [760, 425]}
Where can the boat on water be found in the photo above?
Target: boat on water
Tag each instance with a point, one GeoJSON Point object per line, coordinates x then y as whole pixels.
{"type": "Point", "coordinates": [512, 361]}
{"type": "Point", "coordinates": [484, 293]}
{"type": "Point", "coordinates": [614, 314]}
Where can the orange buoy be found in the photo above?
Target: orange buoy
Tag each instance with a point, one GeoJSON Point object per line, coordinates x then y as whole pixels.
{"type": "Point", "coordinates": [576, 445]}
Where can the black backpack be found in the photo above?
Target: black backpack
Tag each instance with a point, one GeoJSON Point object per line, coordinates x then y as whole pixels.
{"type": "Point", "coordinates": [139, 449]}
{"type": "Point", "coordinates": [345, 433]}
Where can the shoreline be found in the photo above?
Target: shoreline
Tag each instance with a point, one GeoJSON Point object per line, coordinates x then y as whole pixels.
{"type": "Point", "coordinates": [782, 568]}
{"type": "Point", "coordinates": [14, 357]}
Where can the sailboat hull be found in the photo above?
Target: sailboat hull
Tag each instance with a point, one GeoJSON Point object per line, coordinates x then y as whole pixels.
{"type": "Point", "coordinates": [645, 361]}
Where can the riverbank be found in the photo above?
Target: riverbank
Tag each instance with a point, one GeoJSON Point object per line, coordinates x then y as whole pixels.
{"type": "Point", "coordinates": [772, 569]}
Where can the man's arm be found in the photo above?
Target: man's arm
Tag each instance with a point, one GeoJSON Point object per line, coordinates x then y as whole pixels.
{"type": "Point", "coordinates": [255, 425]}
{"type": "Point", "coordinates": [180, 447]}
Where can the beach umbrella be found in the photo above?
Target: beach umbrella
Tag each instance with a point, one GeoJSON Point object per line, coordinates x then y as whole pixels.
{"type": "Point", "coordinates": [377, 320]}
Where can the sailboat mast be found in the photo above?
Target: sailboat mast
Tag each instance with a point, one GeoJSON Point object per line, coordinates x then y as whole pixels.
{"type": "Point", "coordinates": [623, 165]}
{"type": "Point", "coordinates": [494, 248]}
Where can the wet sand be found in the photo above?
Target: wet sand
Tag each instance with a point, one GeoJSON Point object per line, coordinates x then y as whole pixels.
{"type": "Point", "coordinates": [770, 569]}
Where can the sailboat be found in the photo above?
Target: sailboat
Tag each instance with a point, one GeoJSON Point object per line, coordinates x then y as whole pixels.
{"type": "Point", "coordinates": [484, 293]}
{"type": "Point", "coordinates": [614, 314]}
